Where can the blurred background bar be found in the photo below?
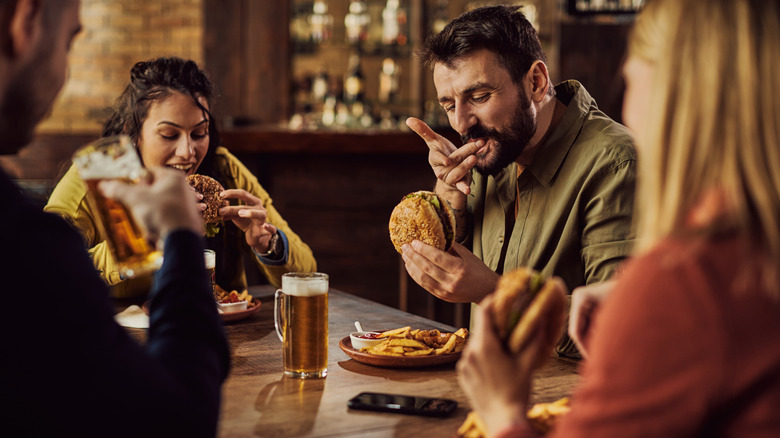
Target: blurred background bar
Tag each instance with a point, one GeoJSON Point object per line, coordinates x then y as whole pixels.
{"type": "Point", "coordinates": [313, 95]}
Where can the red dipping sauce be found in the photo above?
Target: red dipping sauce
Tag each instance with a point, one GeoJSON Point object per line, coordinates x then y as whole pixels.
{"type": "Point", "coordinates": [371, 335]}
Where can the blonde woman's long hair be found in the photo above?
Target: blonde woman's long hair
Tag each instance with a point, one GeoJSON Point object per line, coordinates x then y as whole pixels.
{"type": "Point", "coordinates": [714, 119]}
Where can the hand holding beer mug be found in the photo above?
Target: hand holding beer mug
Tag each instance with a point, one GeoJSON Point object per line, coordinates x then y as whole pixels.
{"type": "Point", "coordinates": [115, 158]}
{"type": "Point", "coordinates": [301, 320]}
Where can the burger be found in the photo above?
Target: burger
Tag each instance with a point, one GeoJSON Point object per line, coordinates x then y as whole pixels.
{"type": "Point", "coordinates": [210, 189]}
{"type": "Point", "coordinates": [425, 217]}
{"type": "Point", "coordinates": [522, 298]}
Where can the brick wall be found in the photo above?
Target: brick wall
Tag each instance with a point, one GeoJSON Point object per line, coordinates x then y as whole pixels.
{"type": "Point", "coordinates": [118, 33]}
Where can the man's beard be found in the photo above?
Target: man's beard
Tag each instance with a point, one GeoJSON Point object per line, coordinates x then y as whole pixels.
{"type": "Point", "coordinates": [508, 145]}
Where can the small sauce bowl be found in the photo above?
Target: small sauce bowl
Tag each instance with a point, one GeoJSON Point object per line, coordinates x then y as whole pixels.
{"type": "Point", "coordinates": [232, 307]}
{"type": "Point", "coordinates": [362, 340]}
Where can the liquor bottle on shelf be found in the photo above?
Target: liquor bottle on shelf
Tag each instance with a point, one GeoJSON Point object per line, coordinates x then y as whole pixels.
{"type": "Point", "coordinates": [320, 22]}
{"type": "Point", "coordinates": [329, 112]}
{"type": "Point", "coordinates": [394, 20]}
{"type": "Point", "coordinates": [354, 82]}
{"type": "Point", "coordinates": [300, 31]}
{"type": "Point", "coordinates": [440, 16]}
{"type": "Point", "coordinates": [357, 22]}
{"type": "Point", "coordinates": [319, 85]}
{"type": "Point", "coordinates": [388, 81]}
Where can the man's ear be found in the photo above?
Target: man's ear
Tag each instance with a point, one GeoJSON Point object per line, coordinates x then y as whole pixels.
{"type": "Point", "coordinates": [538, 81]}
{"type": "Point", "coordinates": [24, 26]}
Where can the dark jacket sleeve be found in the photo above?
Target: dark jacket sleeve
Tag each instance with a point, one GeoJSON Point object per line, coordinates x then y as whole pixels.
{"type": "Point", "coordinates": [68, 368]}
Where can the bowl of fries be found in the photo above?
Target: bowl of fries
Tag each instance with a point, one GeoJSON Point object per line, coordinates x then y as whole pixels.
{"type": "Point", "coordinates": [404, 347]}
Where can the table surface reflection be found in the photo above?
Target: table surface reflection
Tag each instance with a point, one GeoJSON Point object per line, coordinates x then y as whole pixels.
{"type": "Point", "coordinates": [257, 400]}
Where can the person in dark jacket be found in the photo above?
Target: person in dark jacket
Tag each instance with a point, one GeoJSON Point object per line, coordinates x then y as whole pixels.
{"type": "Point", "coordinates": [67, 367]}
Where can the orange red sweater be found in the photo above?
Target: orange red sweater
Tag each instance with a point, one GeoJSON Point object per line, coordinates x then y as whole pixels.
{"type": "Point", "coordinates": [687, 345]}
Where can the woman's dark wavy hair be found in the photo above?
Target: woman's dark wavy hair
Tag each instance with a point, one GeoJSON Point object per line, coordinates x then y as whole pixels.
{"type": "Point", "coordinates": [503, 30]}
{"type": "Point", "coordinates": [153, 81]}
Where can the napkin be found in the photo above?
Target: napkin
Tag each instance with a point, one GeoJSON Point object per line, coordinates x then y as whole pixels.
{"type": "Point", "coordinates": [133, 317]}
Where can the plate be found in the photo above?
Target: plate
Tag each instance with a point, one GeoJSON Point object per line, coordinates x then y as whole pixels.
{"type": "Point", "coordinates": [396, 361]}
{"type": "Point", "coordinates": [227, 317]}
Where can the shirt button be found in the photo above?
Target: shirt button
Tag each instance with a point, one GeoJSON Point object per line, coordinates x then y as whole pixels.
{"type": "Point", "coordinates": [500, 239]}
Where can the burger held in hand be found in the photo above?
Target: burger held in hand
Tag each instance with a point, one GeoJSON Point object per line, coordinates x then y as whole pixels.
{"type": "Point", "coordinates": [425, 217]}
{"type": "Point", "coordinates": [523, 300]}
{"type": "Point", "coordinates": [210, 189]}
{"type": "Point", "coordinates": [526, 305]}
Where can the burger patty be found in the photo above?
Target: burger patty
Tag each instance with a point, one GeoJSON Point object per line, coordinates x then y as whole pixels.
{"type": "Point", "coordinates": [210, 189]}
{"type": "Point", "coordinates": [445, 223]}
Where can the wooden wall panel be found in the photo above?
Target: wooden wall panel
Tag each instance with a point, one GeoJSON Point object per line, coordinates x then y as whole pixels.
{"type": "Point", "coordinates": [246, 51]}
{"type": "Point", "coordinates": [593, 53]}
{"type": "Point", "coordinates": [222, 39]}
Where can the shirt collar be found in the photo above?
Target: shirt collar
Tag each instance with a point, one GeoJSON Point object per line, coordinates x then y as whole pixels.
{"type": "Point", "coordinates": [551, 154]}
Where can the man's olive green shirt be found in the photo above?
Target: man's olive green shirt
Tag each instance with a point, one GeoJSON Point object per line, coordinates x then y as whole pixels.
{"type": "Point", "coordinates": [575, 200]}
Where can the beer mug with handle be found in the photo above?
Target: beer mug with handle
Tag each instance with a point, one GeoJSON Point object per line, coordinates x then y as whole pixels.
{"type": "Point", "coordinates": [301, 320]}
{"type": "Point", "coordinates": [115, 158]}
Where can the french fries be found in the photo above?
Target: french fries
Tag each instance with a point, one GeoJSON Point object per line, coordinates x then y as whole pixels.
{"type": "Point", "coordinates": [542, 417]}
{"type": "Point", "coordinates": [222, 296]}
{"type": "Point", "coordinates": [473, 427]}
{"type": "Point", "coordinates": [407, 342]}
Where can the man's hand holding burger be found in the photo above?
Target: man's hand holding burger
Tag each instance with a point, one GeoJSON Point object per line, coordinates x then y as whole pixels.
{"type": "Point", "coordinates": [457, 276]}
{"type": "Point", "coordinates": [422, 230]}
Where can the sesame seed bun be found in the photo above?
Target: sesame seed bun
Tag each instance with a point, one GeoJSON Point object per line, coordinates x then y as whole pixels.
{"type": "Point", "coordinates": [425, 217]}
{"type": "Point", "coordinates": [523, 299]}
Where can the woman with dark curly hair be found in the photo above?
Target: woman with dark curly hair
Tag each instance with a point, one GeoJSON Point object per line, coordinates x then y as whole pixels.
{"type": "Point", "coordinates": [165, 110]}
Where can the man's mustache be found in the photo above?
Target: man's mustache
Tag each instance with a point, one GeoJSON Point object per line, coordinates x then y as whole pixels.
{"type": "Point", "coordinates": [477, 132]}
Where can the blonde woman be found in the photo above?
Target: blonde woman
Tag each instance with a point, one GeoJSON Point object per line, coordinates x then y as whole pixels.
{"type": "Point", "coordinates": [686, 342]}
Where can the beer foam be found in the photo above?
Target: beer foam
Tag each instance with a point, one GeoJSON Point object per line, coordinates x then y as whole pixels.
{"type": "Point", "coordinates": [210, 258]}
{"type": "Point", "coordinates": [305, 286]}
{"type": "Point", "coordinates": [98, 165]}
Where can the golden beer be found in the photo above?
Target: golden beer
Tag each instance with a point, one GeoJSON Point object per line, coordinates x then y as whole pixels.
{"type": "Point", "coordinates": [210, 259]}
{"type": "Point", "coordinates": [115, 158]}
{"type": "Point", "coordinates": [302, 324]}
{"type": "Point", "coordinates": [132, 252]}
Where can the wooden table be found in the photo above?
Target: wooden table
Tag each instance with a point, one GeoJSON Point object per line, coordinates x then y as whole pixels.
{"type": "Point", "coordinates": [259, 401]}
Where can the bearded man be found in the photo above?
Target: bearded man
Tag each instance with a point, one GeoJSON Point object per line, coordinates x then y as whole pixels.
{"type": "Point", "coordinates": [543, 178]}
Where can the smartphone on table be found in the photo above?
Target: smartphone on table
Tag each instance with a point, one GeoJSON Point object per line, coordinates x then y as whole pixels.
{"type": "Point", "coordinates": [402, 404]}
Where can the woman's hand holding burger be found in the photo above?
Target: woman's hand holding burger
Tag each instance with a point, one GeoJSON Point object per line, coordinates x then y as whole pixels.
{"type": "Point", "coordinates": [515, 331]}
{"type": "Point", "coordinates": [250, 215]}
{"type": "Point", "coordinates": [496, 381]}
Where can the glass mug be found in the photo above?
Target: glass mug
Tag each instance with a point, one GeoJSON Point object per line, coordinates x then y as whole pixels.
{"type": "Point", "coordinates": [210, 258]}
{"type": "Point", "coordinates": [301, 320]}
{"type": "Point", "coordinates": [115, 158]}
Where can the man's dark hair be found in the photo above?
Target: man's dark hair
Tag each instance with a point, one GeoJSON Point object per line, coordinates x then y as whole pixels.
{"type": "Point", "coordinates": [504, 30]}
